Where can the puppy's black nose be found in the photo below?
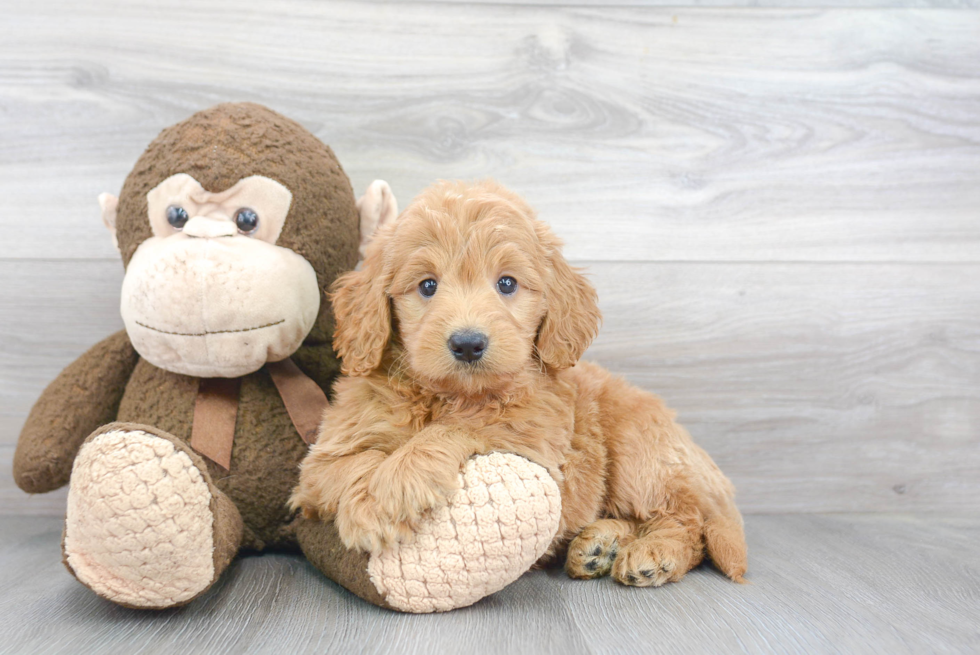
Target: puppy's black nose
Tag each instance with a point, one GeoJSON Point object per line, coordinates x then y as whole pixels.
{"type": "Point", "coordinates": [468, 345]}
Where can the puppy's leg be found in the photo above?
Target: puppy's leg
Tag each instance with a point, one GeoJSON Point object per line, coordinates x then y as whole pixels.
{"type": "Point", "coordinates": [592, 553]}
{"type": "Point", "coordinates": [658, 476]}
{"type": "Point", "coordinates": [724, 538]}
{"type": "Point", "coordinates": [336, 488]}
{"type": "Point", "coordinates": [423, 473]}
{"type": "Point", "coordinates": [667, 546]}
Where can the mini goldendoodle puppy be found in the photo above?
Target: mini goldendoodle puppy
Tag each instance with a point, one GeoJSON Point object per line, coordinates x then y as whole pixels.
{"type": "Point", "coordinates": [460, 336]}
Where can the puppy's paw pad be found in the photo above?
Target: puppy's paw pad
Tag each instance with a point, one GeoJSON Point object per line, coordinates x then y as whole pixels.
{"type": "Point", "coordinates": [642, 564]}
{"type": "Point", "coordinates": [591, 554]}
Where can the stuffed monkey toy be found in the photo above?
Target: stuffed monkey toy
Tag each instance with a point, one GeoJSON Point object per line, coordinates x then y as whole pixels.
{"type": "Point", "coordinates": [180, 437]}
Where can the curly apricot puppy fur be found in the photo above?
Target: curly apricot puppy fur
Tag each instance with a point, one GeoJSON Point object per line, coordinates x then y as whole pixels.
{"type": "Point", "coordinates": [460, 336]}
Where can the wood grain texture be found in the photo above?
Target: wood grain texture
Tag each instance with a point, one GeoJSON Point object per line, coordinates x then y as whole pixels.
{"type": "Point", "coordinates": [779, 205]}
{"type": "Point", "coordinates": [816, 387]}
{"type": "Point", "coordinates": [820, 583]}
{"type": "Point", "coordinates": [742, 4]}
{"type": "Point", "coordinates": [641, 133]}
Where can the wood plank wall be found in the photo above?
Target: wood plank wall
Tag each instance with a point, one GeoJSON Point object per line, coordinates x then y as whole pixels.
{"type": "Point", "coordinates": [780, 206]}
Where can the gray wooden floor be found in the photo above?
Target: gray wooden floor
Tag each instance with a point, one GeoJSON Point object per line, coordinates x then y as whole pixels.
{"type": "Point", "coordinates": [845, 583]}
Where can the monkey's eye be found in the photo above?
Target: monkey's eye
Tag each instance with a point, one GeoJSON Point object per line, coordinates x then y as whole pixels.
{"type": "Point", "coordinates": [428, 288]}
{"type": "Point", "coordinates": [507, 285]}
{"type": "Point", "coordinates": [246, 220]}
{"type": "Point", "coordinates": [177, 216]}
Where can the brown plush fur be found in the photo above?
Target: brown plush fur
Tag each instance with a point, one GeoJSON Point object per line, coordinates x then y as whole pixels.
{"type": "Point", "coordinates": [83, 397]}
{"type": "Point", "coordinates": [227, 142]}
{"type": "Point", "coordinates": [644, 500]}
{"type": "Point", "coordinates": [217, 146]}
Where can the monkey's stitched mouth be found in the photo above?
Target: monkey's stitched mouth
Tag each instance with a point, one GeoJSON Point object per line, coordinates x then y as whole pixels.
{"type": "Point", "coordinates": [204, 334]}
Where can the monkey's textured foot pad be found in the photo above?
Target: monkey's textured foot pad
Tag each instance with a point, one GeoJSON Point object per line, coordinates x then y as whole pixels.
{"type": "Point", "coordinates": [500, 521]}
{"type": "Point", "coordinates": [139, 528]}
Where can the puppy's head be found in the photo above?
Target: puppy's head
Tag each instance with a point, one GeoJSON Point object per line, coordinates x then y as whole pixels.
{"type": "Point", "coordinates": [478, 287]}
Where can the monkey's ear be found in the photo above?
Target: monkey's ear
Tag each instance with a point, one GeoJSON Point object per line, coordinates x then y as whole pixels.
{"type": "Point", "coordinates": [109, 203]}
{"type": "Point", "coordinates": [377, 207]}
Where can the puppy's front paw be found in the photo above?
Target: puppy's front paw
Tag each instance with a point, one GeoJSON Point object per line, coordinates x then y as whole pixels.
{"type": "Point", "coordinates": [592, 553]}
{"type": "Point", "coordinates": [363, 526]}
{"type": "Point", "coordinates": [405, 495]}
{"type": "Point", "coordinates": [651, 562]}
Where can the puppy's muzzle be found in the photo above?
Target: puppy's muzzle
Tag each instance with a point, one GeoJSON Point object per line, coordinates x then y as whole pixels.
{"type": "Point", "coordinates": [468, 345]}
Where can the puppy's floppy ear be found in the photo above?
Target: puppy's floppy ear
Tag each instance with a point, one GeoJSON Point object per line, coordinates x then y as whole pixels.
{"type": "Point", "coordinates": [572, 318]}
{"type": "Point", "coordinates": [362, 312]}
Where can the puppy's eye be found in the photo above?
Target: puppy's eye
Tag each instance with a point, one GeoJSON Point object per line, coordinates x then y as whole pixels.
{"type": "Point", "coordinates": [247, 220]}
{"type": "Point", "coordinates": [177, 217]}
{"type": "Point", "coordinates": [507, 285]}
{"type": "Point", "coordinates": [428, 288]}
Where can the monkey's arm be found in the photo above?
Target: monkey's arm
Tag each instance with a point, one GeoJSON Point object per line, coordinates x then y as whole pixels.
{"type": "Point", "coordinates": [84, 396]}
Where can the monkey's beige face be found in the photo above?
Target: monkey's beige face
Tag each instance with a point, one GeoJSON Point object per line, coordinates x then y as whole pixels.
{"type": "Point", "coordinates": [468, 298]}
{"type": "Point", "coordinates": [210, 294]}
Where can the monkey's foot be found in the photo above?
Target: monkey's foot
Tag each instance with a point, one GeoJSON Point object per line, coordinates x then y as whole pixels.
{"type": "Point", "coordinates": [499, 523]}
{"type": "Point", "coordinates": [145, 527]}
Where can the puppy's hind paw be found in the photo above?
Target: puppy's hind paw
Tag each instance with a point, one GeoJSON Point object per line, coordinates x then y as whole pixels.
{"type": "Point", "coordinates": [592, 553]}
{"type": "Point", "coordinates": [651, 563]}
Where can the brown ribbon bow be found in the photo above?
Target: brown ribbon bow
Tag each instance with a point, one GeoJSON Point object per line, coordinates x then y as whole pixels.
{"type": "Point", "coordinates": [216, 409]}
